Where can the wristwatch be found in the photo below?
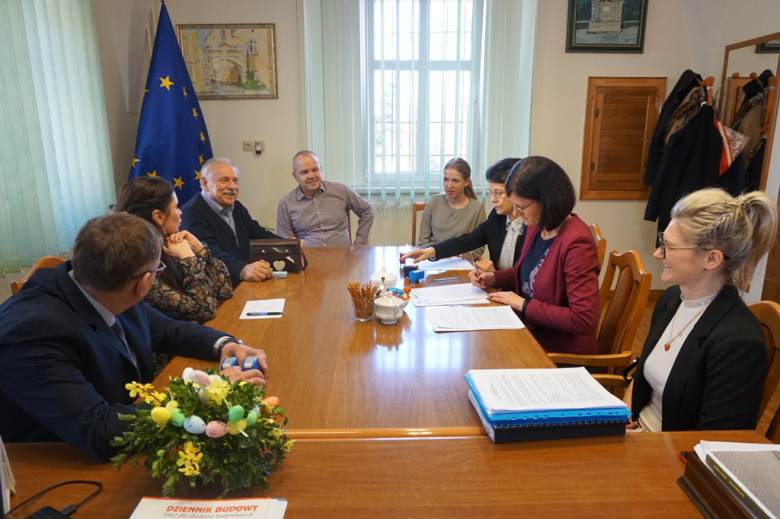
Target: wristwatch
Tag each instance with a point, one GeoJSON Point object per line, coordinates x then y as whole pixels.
{"type": "Point", "coordinates": [225, 341]}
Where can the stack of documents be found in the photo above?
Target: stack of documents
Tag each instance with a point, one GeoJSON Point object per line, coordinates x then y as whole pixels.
{"type": "Point", "coordinates": [445, 264]}
{"type": "Point", "coordinates": [468, 319]}
{"type": "Point", "coordinates": [751, 472]}
{"type": "Point", "coordinates": [544, 404]}
{"type": "Point", "coordinates": [463, 294]}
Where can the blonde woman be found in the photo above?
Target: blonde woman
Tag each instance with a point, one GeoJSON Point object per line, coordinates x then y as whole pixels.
{"type": "Point", "coordinates": [704, 363]}
{"type": "Point", "coordinates": [454, 212]}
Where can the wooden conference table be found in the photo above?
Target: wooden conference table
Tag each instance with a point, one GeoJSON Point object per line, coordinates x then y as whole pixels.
{"type": "Point", "coordinates": [624, 476]}
{"type": "Point", "coordinates": [337, 377]}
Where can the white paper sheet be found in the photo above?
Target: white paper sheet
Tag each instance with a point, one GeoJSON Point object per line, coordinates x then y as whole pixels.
{"type": "Point", "coordinates": [704, 447]}
{"type": "Point", "coordinates": [452, 294]}
{"type": "Point", "coordinates": [445, 264]}
{"type": "Point", "coordinates": [7, 481]}
{"type": "Point", "coordinates": [249, 508]}
{"type": "Point", "coordinates": [477, 301]}
{"type": "Point", "coordinates": [516, 390]}
{"type": "Point", "coordinates": [262, 306]}
{"type": "Point", "coordinates": [468, 319]}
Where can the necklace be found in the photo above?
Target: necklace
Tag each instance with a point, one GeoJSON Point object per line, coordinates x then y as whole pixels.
{"type": "Point", "coordinates": [668, 344]}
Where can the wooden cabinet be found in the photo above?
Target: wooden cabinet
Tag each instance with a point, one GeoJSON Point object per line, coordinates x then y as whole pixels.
{"type": "Point", "coordinates": [619, 123]}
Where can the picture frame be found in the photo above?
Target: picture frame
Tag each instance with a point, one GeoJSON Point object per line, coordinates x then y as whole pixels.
{"type": "Point", "coordinates": [230, 61]}
{"type": "Point", "coordinates": [616, 26]}
{"type": "Point", "coordinates": [768, 47]}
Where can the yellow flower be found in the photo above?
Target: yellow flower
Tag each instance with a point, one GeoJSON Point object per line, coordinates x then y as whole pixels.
{"type": "Point", "coordinates": [189, 470]}
{"type": "Point", "coordinates": [191, 448]}
{"type": "Point", "coordinates": [159, 396]}
{"type": "Point", "coordinates": [133, 390]}
{"type": "Point", "coordinates": [218, 391]}
{"type": "Point", "coordinates": [149, 399]}
{"type": "Point", "coordinates": [189, 459]}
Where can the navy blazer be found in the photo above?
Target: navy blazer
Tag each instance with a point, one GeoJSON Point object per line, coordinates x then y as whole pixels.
{"type": "Point", "coordinates": [206, 225]}
{"type": "Point", "coordinates": [63, 370]}
{"type": "Point", "coordinates": [718, 377]}
{"type": "Point", "coordinates": [491, 232]}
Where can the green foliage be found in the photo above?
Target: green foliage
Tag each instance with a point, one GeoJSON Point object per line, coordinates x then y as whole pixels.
{"type": "Point", "coordinates": [249, 82]}
{"type": "Point", "coordinates": [234, 461]}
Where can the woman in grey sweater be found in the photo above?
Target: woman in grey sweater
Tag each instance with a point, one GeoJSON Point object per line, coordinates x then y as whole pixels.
{"type": "Point", "coordinates": [454, 212]}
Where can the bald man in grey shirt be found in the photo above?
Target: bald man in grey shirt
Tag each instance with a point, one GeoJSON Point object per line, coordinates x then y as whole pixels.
{"type": "Point", "coordinates": [317, 211]}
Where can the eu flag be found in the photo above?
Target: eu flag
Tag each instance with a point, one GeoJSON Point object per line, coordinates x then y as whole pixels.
{"type": "Point", "coordinates": [172, 140]}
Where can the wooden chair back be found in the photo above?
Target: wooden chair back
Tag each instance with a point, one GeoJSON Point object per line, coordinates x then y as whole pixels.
{"type": "Point", "coordinates": [415, 209]}
{"type": "Point", "coordinates": [601, 243]}
{"type": "Point", "coordinates": [47, 262]}
{"type": "Point", "coordinates": [622, 313]}
{"type": "Point", "coordinates": [768, 314]}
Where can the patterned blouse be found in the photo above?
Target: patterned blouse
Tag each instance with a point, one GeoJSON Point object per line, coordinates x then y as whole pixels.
{"type": "Point", "coordinates": [206, 282]}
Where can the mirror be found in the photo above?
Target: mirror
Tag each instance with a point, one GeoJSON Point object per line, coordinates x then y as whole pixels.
{"type": "Point", "coordinates": [747, 100]}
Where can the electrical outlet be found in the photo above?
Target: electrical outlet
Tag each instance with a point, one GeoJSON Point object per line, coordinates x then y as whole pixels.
{"type": "Point", "coordinates": [249, 146]}
{"type": "Point", "coordinates": [261, 144]}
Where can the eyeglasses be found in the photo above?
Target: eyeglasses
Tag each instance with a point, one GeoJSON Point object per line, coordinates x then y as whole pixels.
{"type": "Point", "coordinates": [663, 246]}
{"type": "Point", "coordinates": [153, 271]}
{"type": "Point", "coordinates": [522, 209]}
{"type": "Point", "coordinates": [497, 194]}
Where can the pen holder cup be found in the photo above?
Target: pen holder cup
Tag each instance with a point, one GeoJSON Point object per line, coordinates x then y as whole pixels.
{"type": "Point", "coordinates": [364, 308]}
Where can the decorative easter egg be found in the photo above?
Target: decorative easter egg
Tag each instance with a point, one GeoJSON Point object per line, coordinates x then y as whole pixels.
{"type": "Point", "coordinates": [236, 413]}
{"type": "Point", "coordinates": [203, 397]}
{"type": "Point", "coordinates": [241, 424]}
{"type": "Point", "coordinates": [233, 429]}
{"type": "Point", "coordinates": [177, 417]}
{"type": "Point", "coordinates": [202, 378]}
{"type": "Point", "coordinates": [188, 375]}
{"type": "Point", "coordinates": [194, 425]}
{"type": "Point", "coordinates": [273, 401]}
{"type": "Point", "coordinates": [216, 429]}
{"type": "Point", "coordinates": [173, 404]}
{"type": "Point", "coordinates": [256, 410]}
{"type": "Point", "coordinates": [251, 418]}
{"type": "Point", "coordinates": [161, 415]}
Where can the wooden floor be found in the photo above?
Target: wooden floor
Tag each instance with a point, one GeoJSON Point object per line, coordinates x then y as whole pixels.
{"type": "Point", "coordinates": [639, 341]}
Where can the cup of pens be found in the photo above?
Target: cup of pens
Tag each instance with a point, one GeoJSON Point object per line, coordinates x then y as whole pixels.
{"type": "Point", "coordinates": [362, 300]}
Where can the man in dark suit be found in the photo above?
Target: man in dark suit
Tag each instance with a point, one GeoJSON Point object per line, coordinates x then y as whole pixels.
{"type": "Point", "coordinates": [217, 217]}
{"type": "Point", "coordinates": [75, 335]}
{"type": "Point", "coordinates": [503, 231]}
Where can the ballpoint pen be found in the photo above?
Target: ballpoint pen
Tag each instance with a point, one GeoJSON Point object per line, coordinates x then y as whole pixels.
{"type": "Point", "coordinates": [257, 314]}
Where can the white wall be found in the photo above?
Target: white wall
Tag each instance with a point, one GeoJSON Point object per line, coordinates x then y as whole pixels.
{"type": "Point", "coordinates": [264, 179]}
{"type": "Point", "coordinates": [559, 104]}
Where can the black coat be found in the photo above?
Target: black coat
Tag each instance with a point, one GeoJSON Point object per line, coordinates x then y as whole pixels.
{"type": "Point", "coordinates": [207, 226]}
{"type": "Point", "coordinates": [63, 370]}
{"type": "Point", "coordinates": [687, 81]}
{"type": "Point", "coordinates": [691, 161]}
{"type": "Point", "coordinates": [718, 377]}
{"type": "Point", "coordinates": [491, 232]}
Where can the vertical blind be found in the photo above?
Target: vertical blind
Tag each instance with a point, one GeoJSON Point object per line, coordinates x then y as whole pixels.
{"type": "Point", "coordinates": [55, 161]}
{"type": "Point", "coordinates": [395, 88]}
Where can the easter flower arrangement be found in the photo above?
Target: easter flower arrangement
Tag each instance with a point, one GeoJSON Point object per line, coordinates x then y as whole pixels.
{"type": "Point", "coordinates": [204, 428]}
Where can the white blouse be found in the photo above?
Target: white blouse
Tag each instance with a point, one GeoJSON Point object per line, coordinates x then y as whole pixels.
{"type": "Point", "coordinates": [660, 361]}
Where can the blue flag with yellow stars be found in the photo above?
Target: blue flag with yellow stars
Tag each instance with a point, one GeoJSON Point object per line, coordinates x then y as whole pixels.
{"type": "Point", "coordinates": [172, 140]}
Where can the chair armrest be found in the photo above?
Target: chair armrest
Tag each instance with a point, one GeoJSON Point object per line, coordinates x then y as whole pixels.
{"type": "Point", "coordinates": [616, 360]}
{"type": "Point", "coordinates": [611, 380]}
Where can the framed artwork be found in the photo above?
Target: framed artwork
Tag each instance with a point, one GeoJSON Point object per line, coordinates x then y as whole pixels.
{"type": "Point", "coordinates": [768, 47]}
{"type": "Point", "coordinates": [233, 61]}
{"type": "Point", "coordinates": [606, 26]}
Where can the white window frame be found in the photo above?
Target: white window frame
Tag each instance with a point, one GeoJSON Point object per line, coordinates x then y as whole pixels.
{"type": "Point", "coordinates": [423, 66]}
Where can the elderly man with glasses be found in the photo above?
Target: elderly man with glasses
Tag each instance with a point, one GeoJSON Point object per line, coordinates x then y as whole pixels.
{"type": "Point", "coordinates": [76, 334]}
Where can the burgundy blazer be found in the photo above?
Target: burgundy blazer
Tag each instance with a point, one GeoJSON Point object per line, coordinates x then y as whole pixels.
{"type": "Point", "coordinates": [564, 312]}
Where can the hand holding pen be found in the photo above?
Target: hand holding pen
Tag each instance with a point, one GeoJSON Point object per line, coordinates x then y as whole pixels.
{"type": "Point", "coordinates": [481, 279]}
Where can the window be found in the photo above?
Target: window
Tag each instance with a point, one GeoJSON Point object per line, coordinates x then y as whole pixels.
{"type": "Point", "coordinates": [222, 34]}
{"type": "Point", "coordinates": [422, 70]}
{"type": "Point", "coordinates": [252, 46]}
{"type": "Point", "coordinates": [233, 33]}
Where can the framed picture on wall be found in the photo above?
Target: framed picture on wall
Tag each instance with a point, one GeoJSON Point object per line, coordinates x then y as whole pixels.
{"type": "Point", "coordinates": [230, 61]}
{"type": "Point", "coordinates": [768, 47]}
{"type": "Point", "coordinates": [606, 26]}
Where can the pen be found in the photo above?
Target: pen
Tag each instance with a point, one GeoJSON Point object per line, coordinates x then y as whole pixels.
{"type": "Point", "coordinates": [256, 314]}
{"type": "Point", "coordinates": [445, 279]}
{"type": "Point", "coordinates": [476, 269]}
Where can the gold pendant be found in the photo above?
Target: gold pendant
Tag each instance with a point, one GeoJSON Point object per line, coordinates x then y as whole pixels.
{"type": "Point", "coordinates": [667, 346]}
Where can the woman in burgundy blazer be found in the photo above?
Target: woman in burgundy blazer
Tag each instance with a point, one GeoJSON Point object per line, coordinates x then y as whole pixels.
{"type": "Point", "coordinates": [555, 284]}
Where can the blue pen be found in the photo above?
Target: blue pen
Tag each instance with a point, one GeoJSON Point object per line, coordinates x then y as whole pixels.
{"type": "Point", "coordinates": [257, 314]}
{"type": "Point", "coordinates": [445, 279]}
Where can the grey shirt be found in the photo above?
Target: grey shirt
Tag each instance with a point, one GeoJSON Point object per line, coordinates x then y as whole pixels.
{"type": "Point", "coordinates": [441, 222]}
{"type": "Point", "coordinates": [322, 221]}
{"type": "Point", "coordinates": [224, 213]}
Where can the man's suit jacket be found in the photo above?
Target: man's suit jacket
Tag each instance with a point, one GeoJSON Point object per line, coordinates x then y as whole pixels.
{"type": "Point", "coordinates": [564, 312]}
{"type": "Point", "coordinates": [207, 226]}
{"type": "Point", "coordinates": [63, 370]}
{"type": "Point", "coordinates": [491, 232]}
{"type": "Point", "coordinates": [718, 376]}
